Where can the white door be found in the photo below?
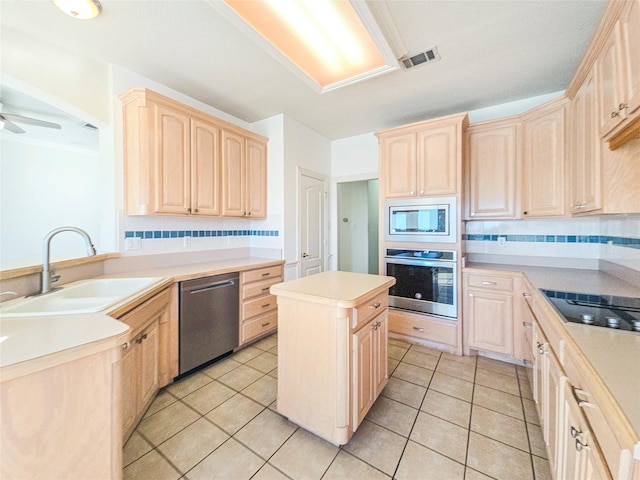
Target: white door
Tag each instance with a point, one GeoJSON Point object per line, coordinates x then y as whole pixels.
{"type": "Point", "coordinates": [312, 222]}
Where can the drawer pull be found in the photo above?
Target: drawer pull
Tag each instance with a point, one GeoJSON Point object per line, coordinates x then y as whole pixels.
{"type": "Point", "coordinates": [488, 283]}
{"type": "Point", "coordinates": [526, 295]}
{"type": "Point", "coordinates": [375, 306]}
{"type": "Point", "coordinates": [581, 446]}
{"type": "Point", "coordinates": [266, 274]}
{"type": "Point", "coordinates": [527, 324]}
{"type": "Point", "coordinates": [265, 289]}
{"type": "Point", "coordinates": [418, 329]}
{"type": "Point", "coordinates": [266, 305]}
{"type": "Point", "coordinates": [581, 403]}
{"type": "Point", "coordinates": [575, 433]}
{"type": "Point", "coordinates": [266, 324]}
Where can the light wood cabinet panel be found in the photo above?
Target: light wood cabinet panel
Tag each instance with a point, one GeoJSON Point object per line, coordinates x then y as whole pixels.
{"type": "Point", "coordinates": [489, 317]}
{"type": "Point", "coordinates": [398, 155]}
{"type": "Point", "coordinates": [630, 25]}
{"type": "Point", "coordinates": [543, 172]}
{"type": "Point", "coordinates": [611, 80]}
{"type": "Point", "coordinates": [258, 308]}
{"type": "Point", "coordinates": [256, 196]}
{"type": "Point", "coordinates": [491, 168]}
{"type": "Point", "coordinates": [438, 155]}
{"type": "Point", "coordinates": [205, 168]}
{"type": "Point", "coordinates": [585, 149]}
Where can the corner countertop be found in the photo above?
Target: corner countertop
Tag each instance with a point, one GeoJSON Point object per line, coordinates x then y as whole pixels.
{"type": "Point", "coordinates": [339, 289]}
{"type": "Point", "coordinates": [613, 355]}
{"type": "Point", "coordinates": [23, 339]}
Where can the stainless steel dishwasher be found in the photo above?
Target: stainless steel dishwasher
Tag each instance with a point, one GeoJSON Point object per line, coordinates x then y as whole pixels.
{"type": "Point", "coordinates": [208, 319]}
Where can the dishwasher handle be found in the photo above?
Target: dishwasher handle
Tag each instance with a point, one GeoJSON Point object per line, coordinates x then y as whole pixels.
{"type": "Point", "coordinates": [213, 286]}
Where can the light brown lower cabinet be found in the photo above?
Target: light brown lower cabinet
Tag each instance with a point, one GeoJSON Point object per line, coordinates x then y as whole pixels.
{"type": "Point", "coordinates": [258, 308]}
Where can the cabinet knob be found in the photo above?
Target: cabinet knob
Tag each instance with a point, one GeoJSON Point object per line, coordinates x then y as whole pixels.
{"type": "Point", "coordinates": [471, 295]}
{"type": "Point", "coordinates": [615, 114]}
{"type": "Point", "coordinates": [188, 210]}
{"type": "Point", "coordinates": [525, 213]}
{"type": "Point", "coordinates": [622, 106]}
{"type": "Point", "coordinates": [305, 255]}
{"type": "Point", "coordinates": [472, 214]}
{"type": "Point", "coordinates": [249, 214]}
{"type": "Point", "coordinates": [195, 210]}
{"type": "Point", "coordinates": [421, 192]}
{"type": "Point", "coordinates": [575, 433]}
{"type": "Point", "coordinates": [126, 345]}
{"type": "Point", "coordinates": [581, 446]}
{"type": "Point", "coordinates": [418, 329]}
{"type": "Point", "coordinates": [375, 306]}
{"type": "Point", "coordinates": [412, 192]}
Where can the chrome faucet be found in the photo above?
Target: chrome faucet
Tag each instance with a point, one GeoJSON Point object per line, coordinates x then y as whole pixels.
{"type": "Point", "coordinates": [48, 272]}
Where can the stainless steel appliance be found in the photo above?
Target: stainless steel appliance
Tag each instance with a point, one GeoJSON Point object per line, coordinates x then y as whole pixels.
{"type": "Point", "coordinates": [421, 220]}
{"type": "Point", "coordinates": [426, 280]}
{"type": "Point", "coordinates": [608, 311]}
{"type": "Point", "coordinates": [208, 319]}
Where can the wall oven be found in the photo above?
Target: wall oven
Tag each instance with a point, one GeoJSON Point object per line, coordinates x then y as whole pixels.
{"type": "Point", "coordinates": [426, 281]}
{"type": "Point", "coordinates": [420, 220]}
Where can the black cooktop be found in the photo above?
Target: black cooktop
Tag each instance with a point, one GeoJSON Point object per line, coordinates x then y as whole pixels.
{"type": "Point", "coordinates": [608, 311]}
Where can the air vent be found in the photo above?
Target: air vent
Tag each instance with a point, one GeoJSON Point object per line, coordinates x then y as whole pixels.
{"type": "Point", "coordinates": [428, 56]}
{"type": "Point", "coordinates": [90, 126]}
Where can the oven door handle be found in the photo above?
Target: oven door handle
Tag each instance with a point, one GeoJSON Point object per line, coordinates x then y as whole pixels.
{"type": "Point", "coordinates": [420, 262]}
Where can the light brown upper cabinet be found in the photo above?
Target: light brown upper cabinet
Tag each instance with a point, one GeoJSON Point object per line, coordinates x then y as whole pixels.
{"type": "Point", "coordinates": [584, 149]}
{"type": "Point", "coordinates": [543, 166]}
{"type": "Point", "coordinates": [422, 159]}
{"type": "Point", "coordinates": [492, 163]}
{"type": "Point", "coordinates": [244, 173]}
{"type": "Point", "coordinates": [174, 160]}
{"type": "Point", "coordinates": [618, 71]}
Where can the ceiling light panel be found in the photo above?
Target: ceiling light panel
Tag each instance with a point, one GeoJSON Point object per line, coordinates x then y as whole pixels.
{"type": "Point", "coordinates": [326, 39]}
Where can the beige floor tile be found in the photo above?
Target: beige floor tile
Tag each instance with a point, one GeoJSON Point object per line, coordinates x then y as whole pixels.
{"type": "Point", "coordinates": [441, 436]}
{"type": "Point", "coordinates": [530, 412]}
{"type": "Point", "coordinates": [471, 474]}
{"type": "Point", "coordinates": [452, 386]}
{"type": "Point", "coordinates": [240, 378]}
{"type": "Point", "coordinates": [497, 366]}
{"type": "Point", "coordinates": [396, 352]}
{"type": "Point", "coordinates": [500, 427]}
{"type": "Point", "coordinates": [522, 371]}
{"type": "Point", "coordinates": [469, 360]}
{"type": "Point", "coordinates": [268, 472]}
{"type": "Point", "coordinates": [246, 354]}
{"type": "Point", "coordinates": [448, 408]}
{"type": "Point", "coordinates": [420, 359]}
{"type": "Point", "coordinates": [186, 385]}
{"type": "Point", "coordinates": [456, 369]}
{"type": "Point", "coordinates": [162, 400]}
{"type": "Point", "coordinates": [167, 422]}
{"type": "Point", "coordinates": [497, 381]}
{"type": "Point", "coordinates": [411, 373]}
{"type": "Point", "coordinates": [541, 468]}
{"type": "Point", "coordinates": [235, 413]}
{"type": "Point", "coordinates": [429, 464]}
{"type": "Point", "coordinates": [152, 467]}
{"type": "Point", "coordinates": [135, 448]}
{"type": "Point", "coordinates": [229, 461]}
{"type": "Point", "coordinates": [264, 363]}
{"type": "Point", "coordinates": [266, 433]}
{"type": "Point", "coordinates": [221, 367]}
{"type": "Point", "coordinates": [536, 440]}
{"type": "Point", "coordinates": [273, 373]}
{"type": "Point", "coordinates": [273, 351]}
{"type": "Point", "coordinates": [525, 388]}
{"type": "Point", "coordinates": [392, 364]}
{"type": "Point", "coordinates": [346, 466]}
{"type": "Point", "coordinates": [377, 446]}
{"type": "Point", "coordinates": [498, 460]}
{"type": "Point", "coordinates": [499, 401]}
{"type": "Point", "coordinates": [429, 351]}
{"type": "Point", "coordinates": [304, 455]}
{"type": "Point", "coordinates": [185, 449]}
{"type": "Point", "coordinates": [208, 397]}
{"type": "Point", "coordinates": [393, 415]}
{"type": "Point", "coordinates": [398, 342]}
{"type": "Point", "coordinates": [404, 392]}
{"type": "Point", "coordinates": [266, 343]}
{"type": "Point", "coordinates": [264, 390]}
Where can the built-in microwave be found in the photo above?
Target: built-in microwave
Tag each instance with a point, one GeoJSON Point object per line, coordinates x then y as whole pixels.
{"type": "Point", "coordinates": [421, 220]}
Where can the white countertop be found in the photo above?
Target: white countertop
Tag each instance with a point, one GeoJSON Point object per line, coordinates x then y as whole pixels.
{"type": "Point", "coordinates": [27, 338]}
{"type": "Point", "coordinates": [340, 289]}
{"type": "Point", "coordinates": [614, 355]}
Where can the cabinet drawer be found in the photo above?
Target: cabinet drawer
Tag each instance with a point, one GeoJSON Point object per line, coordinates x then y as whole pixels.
{"type": "Point", "coordinates": [254, 307]}
{"type": "Point", "coordinates": [258, 326]}
{"type": "Point", "coordinates": [256, 289]}
{"type": "Point", "coordinates": [261, 274]}
{"type": "Point", "coordinates": [412, 325]}
{"type": "Point", "coordinates": [490, 282]}
{"type": "Point", "coordinates": [365, 312]}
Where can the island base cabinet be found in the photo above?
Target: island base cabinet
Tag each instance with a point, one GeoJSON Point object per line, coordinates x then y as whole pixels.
{"type": "Point", "coordinates": [59, 422]}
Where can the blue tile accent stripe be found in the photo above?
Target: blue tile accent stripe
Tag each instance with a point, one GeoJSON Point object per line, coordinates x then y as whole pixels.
{"type": "Point", "coordinates": [153, 234]}
{"type": "Point", "coordinates": [603, 239]}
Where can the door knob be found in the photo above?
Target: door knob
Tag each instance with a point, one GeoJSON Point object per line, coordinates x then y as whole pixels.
{"type": "Point", "coordinates": [305, 255]}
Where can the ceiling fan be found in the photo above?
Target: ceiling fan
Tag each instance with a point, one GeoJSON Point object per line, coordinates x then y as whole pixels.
{"type": "Point", "coordinates": [8, 121]}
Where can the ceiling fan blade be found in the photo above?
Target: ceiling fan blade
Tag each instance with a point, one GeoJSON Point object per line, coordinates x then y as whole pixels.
{"type": "Point", "coordinates": [30, 121]}
{"type": "Point", "coordinates": [12, 127]}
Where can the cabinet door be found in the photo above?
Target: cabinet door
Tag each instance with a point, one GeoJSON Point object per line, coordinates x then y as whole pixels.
{"type": "Point", "coordinates": [554, 381]}
{"type": "Point", "coordinates": [381, 337]}
{"type": "Point", "coordinates": [631, 40]}
{"type": "Point", "coordinates": [610, 81]}
{"type": "Point", "coordinates": [492, 159]}
{"type": "Point", "coordinates": [437, 161]}
{"type": "Point", "coordinates": [233, 174]}
{"type": "Point", "coordinates": [489, 318]}
{"type": "Point", "coordinates": [128, 389]}
{"type": "Point", "coordinates": [205, 168]}
{"type": "Point", "coordinates": [363, 372]}
{"type": "Point", "coordinates": [256, 179]}
{"type": "Point", "coordinates": [585, 145]}
{"type": "Point", "coordinates": [398, 165]}
{"type": "Point", "coordinates": [544, 164]}
{"type": "Point", "coordinates": [148, 351]}
{"type": "Point", "coordinates": [172, 179]}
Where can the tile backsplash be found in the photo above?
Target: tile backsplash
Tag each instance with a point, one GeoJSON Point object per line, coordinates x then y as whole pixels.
{"type": "Point", "coordinates": [613, 238]}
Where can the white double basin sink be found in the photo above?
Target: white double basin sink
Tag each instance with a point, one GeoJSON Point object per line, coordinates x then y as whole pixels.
{"type": "Point", "coordinates": [85, 296]}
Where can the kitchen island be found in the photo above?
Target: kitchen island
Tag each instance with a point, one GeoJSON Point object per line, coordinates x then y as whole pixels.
{"type": "Point", "coordinates": [332, 350]}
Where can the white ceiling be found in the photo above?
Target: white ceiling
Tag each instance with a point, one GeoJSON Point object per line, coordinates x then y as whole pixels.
{"type": "Point", "coordinates": [492, 52]}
